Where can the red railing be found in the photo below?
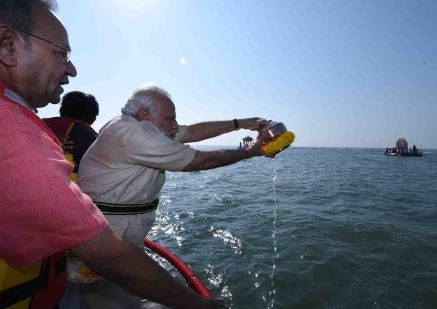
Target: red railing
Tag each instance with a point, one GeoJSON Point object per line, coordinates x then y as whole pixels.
{"type": "Point", "coordinates": [193, 281]}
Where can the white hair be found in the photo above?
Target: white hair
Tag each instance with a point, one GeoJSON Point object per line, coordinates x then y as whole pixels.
{"type": "Point", "coordinates": [144, 97]}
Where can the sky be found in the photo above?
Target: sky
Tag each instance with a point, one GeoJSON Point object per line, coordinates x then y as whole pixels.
{"type": "Point", "coordinates": [338, 73]}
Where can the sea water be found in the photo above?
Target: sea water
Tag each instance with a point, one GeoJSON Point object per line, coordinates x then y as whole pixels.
{"type": "Point", "coordinates": [322, 228]}
{"type": "Point", "coordinates": [275, 255]}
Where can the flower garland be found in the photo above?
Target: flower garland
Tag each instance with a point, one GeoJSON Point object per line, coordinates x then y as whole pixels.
{"type": "Point", "coordinates": [278, 144]}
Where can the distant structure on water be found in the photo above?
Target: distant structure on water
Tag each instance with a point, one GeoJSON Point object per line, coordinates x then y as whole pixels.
{"type": "Point", "coordinates": [247, 141]}
{"type": "Point", "coordinates": [402, 149]}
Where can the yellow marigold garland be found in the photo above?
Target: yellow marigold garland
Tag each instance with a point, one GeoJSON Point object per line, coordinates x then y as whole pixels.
{"type": "Point", "coordinates": [88, 273]}
{"type": "Point", "coordinates": [278, 144]}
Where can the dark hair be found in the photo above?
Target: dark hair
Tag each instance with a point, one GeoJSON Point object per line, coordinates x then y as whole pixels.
{"type": "Point", "coordinates": [79, 105]}
{"type": "Point", "coordinates": [18, 13]}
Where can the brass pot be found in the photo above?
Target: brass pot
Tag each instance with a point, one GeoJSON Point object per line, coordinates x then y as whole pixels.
{"type": "Point", "coordinates": [272, 130]}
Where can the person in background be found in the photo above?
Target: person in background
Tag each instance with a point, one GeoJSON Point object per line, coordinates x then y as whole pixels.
{"type": "Point", "coordinates": [73, 128]}
{"type": "Point", "coordinates": [124, 171]}
{"type": "Point", "coordinates": [44, 213]}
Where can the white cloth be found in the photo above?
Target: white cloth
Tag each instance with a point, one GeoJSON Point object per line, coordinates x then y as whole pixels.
{"type": "Point", "coordinates": [125, 165]}
{"type": "Point", "coordinates": [98, 295]}
{"type": "Point", "coordinates": [127, 162]}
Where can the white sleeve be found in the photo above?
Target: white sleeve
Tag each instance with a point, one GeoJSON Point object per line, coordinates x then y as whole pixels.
{"type": "Point", "coordinates": [145, 146]}
{"type": "Point", "coordinates": [181, 132]}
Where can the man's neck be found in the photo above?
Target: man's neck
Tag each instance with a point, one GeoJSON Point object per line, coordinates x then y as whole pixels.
{"type": "Point", "coordinates": [7, 92]}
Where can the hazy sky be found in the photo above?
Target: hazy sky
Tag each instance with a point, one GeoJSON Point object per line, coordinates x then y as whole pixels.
{"type": "Point", "coordinates": [355, 73]}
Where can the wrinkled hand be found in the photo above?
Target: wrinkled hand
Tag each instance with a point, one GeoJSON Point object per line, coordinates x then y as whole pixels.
{"type": "Point", "coordinates": [259, 142]}
{"type": "Point", "coordinates": [254, 124]}
{"type": "Point", "coordinates": [255, 150]}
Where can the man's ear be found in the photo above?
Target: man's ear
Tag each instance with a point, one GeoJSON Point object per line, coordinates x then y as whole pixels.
{"type": "Point", "coordinates": [8, 50]}
{"type": "Point", "coordinates": [142, 115]}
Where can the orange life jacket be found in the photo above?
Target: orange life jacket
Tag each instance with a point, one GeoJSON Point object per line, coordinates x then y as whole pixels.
{"type": "Point", "coordinates": [38, 286]}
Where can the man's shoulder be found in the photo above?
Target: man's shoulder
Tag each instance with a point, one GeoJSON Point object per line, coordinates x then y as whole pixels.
{"type": "Point", "coordinates": [116, 132]}
{"type": "Point", "coordinates": [83, 127]}
{"type": "Point", "coordinates": [82, 133]}
{"type": "Point", "coordinates": [13, 115]}
{"type": "Point", "coordinates": [115, 124]}
{"type": "Point", "coordinates": [129, 127]}
{"type": "Point", "coordinates": [7, 107]}
{"type": "Point", "coordinates": [59, 125]}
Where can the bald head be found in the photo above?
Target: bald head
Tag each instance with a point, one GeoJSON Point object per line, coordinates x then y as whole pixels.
{"type": "Point", "coordinates": [153, 104]}
{"type": "Point", "coordinates": [18, 13]}
{"type": "Point", "coordinates": [47, 24]}
{"type": "Point", "coordinates": [145, 97]}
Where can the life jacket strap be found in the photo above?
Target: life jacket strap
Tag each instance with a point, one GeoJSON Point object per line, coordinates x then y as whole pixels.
{"type": "Point", "coordinates": [28, 289]}
{"type": "Point", "coordinates": [20, 292]}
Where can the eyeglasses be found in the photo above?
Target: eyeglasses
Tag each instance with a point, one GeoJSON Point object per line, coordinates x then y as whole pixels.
{"type": "Point", "coordinates": [65, 55]}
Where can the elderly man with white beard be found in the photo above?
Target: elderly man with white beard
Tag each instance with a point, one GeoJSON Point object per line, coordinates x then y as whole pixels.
{"type": "Point", "coordinates": [124, 171]}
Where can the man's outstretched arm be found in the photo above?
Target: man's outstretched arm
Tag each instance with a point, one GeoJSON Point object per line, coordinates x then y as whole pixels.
{"type": "Point", "coordinates": [204, 130]}
{"type": "Point", "coordinates": [131, 268]}
{"type": "Point", "coordinates": [204, 160]}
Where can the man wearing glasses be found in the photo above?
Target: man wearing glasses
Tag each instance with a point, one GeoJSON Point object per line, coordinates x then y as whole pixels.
{"type": "Point", "coordinates": [43, 213]}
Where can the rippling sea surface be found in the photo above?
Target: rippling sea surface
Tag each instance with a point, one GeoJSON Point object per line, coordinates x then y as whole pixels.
{"type": "Point", "coordinates": [312, 228]}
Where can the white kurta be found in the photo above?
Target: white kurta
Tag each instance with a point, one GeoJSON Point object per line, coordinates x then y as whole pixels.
{"type": "Point", "coordinates": [125, 165]}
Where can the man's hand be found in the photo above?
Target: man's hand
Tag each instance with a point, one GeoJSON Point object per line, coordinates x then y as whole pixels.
{"type": "Point", "coordinates": [256, 148]}
{"type": "Point", "coordinates": [131, 268]}
{"type": "Point", "coordinates": [254, 124]}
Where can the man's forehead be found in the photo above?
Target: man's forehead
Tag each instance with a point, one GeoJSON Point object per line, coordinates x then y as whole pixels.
{"type": "Point", "coordinates": [48, 23]}
{"type": "Point", "coordinates": [165, 103]}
